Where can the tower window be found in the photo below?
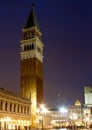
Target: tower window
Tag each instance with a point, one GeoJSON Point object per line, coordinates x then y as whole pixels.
{"type": "Point", "coordinates": [25, 48]}
{"type": "Point", "coordinates": [32, 46]}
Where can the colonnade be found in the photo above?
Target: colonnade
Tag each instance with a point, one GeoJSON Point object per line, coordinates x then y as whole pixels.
{"type": "Point", "coordinates": [12, 106]}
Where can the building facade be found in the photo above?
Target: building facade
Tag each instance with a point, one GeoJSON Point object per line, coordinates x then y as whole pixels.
{"type": "Point", "coordinates": [88, 106]}
{"type": "Point", "coordinates": [88, 96]}
{"type": "Point", "coordinates": [14, 111]}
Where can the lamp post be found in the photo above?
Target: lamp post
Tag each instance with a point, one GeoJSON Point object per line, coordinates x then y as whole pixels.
{"type": "Point", "coordinates": [42, 110]}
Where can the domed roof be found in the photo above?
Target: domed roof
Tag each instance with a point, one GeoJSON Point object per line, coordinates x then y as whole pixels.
{"type": "Point", "coordinates": [77, 103]}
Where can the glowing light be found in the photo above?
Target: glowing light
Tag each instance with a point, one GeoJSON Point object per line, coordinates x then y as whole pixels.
{"type": "Point", "coordinates": [73, 116]}
{"type": "Point", "coordinates": [7, 119]}
{"type": "Point", "coordinates": [63, 110]}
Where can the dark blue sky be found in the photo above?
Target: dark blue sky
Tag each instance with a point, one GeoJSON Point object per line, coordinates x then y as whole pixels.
{"type": "Point", "coordinates": [66, 26]}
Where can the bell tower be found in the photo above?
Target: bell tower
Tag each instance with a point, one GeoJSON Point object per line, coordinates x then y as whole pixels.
{"type": "Point", "coordinates": [32, 62]}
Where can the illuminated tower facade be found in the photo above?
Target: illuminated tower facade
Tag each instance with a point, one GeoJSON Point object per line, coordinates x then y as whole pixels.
{"type": "Point", "coordinates": [32, 62]}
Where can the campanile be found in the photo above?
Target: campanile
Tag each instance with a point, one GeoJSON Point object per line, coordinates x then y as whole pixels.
{"type": "Point", "coordinates": [32, 62]}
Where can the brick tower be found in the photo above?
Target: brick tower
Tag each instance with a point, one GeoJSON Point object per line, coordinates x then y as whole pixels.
{"type": "Point", "coordinates": [32, 63]}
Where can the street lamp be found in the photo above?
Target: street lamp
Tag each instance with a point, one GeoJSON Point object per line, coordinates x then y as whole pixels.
{"type": "Point", "coordinates": [42, 110]}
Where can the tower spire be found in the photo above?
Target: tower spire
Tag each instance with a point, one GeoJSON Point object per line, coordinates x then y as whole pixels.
{"type": "Point", "coordinates": [32, 20]}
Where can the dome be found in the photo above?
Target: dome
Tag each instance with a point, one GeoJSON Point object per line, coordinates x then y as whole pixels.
{"type": "Point", "coordinates": [77, 103]}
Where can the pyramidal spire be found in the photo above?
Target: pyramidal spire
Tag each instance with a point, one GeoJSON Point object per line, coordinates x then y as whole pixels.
{"type": "Point", "coordinates": [32, 21]}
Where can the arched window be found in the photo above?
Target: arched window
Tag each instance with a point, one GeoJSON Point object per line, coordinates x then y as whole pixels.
{"type": "Point", "coordinates": [18, 108]}
{"type": "Point", "coordinates": [5, 106]}
{"type": "Point", "coordinates": [14, 107]}
{"type": "Point", "coordinates": [21, 109]}
{"type": "Point", "coordinates": [10, 107]}
{"type": "Point", "coordinates": [25, 48]}
{"type": "Point", "coordinates": [25, 110]}
{"type": "Point", "coordinates": [32, 46]}
{"type": "Point", "coordinates": [1, 105]}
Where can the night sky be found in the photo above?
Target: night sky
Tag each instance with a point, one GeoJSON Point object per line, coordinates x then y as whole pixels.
{"type": "Point", "coordinates": [66, 26]}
